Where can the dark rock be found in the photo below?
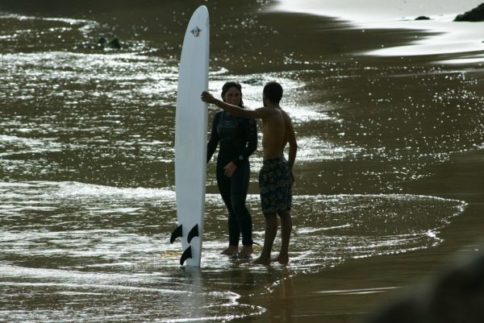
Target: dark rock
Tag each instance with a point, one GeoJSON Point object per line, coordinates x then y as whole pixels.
{"type": "Point", "coordinates": [422, 18]}
{"type": "Point", "coordinates": [103, 43]}
{"type": "Point", "coordinates": [455, 294]}
{"type": "Point", "coordinates": [115, 43]}
{"type": "Point", "coordinates": [476, 14]}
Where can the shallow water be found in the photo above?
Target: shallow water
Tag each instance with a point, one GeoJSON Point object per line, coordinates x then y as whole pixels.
{"type": "Point", "coordinates": [98, 249]}
{"type": "Point", "coordinates": [87, 174]}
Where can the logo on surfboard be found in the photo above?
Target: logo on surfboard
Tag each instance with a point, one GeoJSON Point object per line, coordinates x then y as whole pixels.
{"type": "Point", "coordinates": [196, 31]}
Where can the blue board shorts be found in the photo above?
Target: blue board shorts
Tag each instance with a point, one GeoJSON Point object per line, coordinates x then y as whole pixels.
{"type": "Point", "coordinates": [275, 185]}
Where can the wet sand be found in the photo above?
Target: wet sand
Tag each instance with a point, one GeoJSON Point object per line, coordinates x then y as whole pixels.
{"type": "Point", "coordinates": [357, 289]}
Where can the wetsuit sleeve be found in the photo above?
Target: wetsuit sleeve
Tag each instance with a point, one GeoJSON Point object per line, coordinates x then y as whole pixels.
{"type": "Point", "coordinates": [251, 143]}
{"type": "Point", "coordinates": [213, 141]}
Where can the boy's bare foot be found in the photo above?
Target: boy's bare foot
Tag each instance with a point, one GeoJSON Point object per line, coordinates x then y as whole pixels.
{"type": "Point", "coordinates": [231, 251]}
{"type": "Point", "coordinates": [282, 259]}
{"type": "Point", "coordinates": [246, 251]}
{"type": "Point", "coordinates": [262, 261]}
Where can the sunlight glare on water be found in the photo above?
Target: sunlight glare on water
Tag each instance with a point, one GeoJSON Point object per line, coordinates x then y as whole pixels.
{"type": "Point", "coordinates": [87, 196]}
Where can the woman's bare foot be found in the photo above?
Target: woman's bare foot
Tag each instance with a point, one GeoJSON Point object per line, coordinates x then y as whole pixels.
{"type": "Point", "coordinates": [231, 251]}
{"type": "Point", "coordinates": [263, 261]}
{"type": "Point", "coordinates": [282, 259]}
{"type": "Point", "coordinates": [246, 251]}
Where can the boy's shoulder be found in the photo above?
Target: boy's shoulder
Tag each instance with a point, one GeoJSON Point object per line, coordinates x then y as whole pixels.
{"type": "Point", "coordinates": [285, 114]}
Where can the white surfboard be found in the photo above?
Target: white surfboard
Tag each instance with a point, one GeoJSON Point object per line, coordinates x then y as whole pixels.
{"type": "Point", "coordinates": [191, 138]}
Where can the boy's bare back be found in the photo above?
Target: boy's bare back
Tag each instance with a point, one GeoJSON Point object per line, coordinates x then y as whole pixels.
{"type": "Point", "coordinates": [277, 131]}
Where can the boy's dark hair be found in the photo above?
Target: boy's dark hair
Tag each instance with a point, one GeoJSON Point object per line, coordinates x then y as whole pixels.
{"type": "Point", "coordinates": [273, 92]}
{"type": "Point", "coordinates": [229, 85]}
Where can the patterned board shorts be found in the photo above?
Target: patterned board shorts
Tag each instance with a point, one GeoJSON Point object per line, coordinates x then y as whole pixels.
{"type": "Point", "coordinates": [275, 184]}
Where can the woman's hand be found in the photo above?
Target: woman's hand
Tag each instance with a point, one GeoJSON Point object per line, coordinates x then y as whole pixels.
{"type": "Point", "coordinates": [230, 169]}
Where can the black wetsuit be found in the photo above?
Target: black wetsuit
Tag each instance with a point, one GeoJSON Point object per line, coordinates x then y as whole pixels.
{"type": "Point", "coordinates": [238, 140]}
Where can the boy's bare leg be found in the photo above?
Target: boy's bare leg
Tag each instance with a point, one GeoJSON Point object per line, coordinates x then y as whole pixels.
{"type": "Point", "coordinates": [270, 235]}
{"type": "Point", "coordinates": [286, 228]}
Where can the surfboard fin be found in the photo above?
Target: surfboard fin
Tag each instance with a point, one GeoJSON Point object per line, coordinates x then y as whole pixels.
{"type": "Point", "coordinates": [193, 233]}
{"type": "Point", "coordinates": [186, 254]}
{"type": "Point", "coordinates": [178, 232]}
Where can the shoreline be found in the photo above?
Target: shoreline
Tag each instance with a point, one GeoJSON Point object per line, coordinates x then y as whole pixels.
{"type": "Point", "coordinates": [443, 34]}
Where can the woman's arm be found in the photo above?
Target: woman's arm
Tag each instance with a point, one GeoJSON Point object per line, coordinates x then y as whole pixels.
{"type": "Point", "coordinates": [213, 141]}
{"type": "Point", "coordinates": [252, 139]}
{"type": "Point", "coordinates": [250, 144]}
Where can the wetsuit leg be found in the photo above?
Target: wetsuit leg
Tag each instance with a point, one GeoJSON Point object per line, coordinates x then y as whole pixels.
{"type": "Point", "coordinates": [224, 185]}
{"type": "Point", "coordinates": [239, 188]}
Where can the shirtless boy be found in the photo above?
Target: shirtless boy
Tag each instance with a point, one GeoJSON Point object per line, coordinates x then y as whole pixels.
{"type": "Point", "coordinates": [275, 177]}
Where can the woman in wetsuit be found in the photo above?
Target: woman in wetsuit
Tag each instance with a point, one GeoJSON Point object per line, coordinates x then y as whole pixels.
{"type": "Point", "coordinates": [238, 140]}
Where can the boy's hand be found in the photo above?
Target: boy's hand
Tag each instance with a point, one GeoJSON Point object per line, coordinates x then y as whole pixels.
{"type": "Point", "coordinates": [207, 97]}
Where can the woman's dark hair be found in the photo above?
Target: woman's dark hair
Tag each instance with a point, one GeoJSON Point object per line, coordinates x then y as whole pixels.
{"type": "Point", "coordinates": [229, 85]}
{"type": "Point", "coordinates": [273, 92]}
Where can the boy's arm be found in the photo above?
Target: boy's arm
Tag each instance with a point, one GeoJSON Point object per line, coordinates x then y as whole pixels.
{"type": "Point", "coordinates": [291, 140]}
{"type": "Point", "coordinates": [233, 109]}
